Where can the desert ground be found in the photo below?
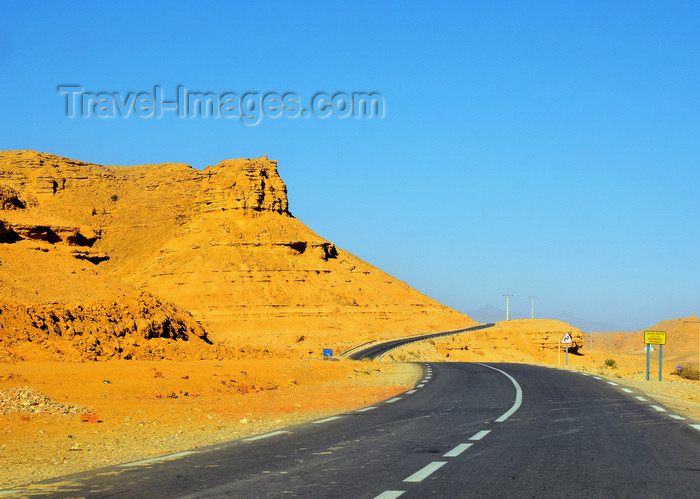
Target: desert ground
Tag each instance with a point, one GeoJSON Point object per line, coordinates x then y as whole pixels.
{"type": "Point", "coordinates": [139, 409]}
{"type": "Point", "coordinates": [151, 309]}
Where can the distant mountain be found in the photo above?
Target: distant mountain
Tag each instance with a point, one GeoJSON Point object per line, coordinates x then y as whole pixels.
{"type": "Point", "coordinates": [590, 326]}
{"type": "Point", "coordinates": [681, 336]}
{"type": "Point", "coordinates": [491, 313]}
{"type": "Point", "coordinates": [487, 313]}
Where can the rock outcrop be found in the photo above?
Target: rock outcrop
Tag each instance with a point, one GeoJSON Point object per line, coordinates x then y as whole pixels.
{"type": "Point", "coordinates": [10, 199]}
{"type": "Point", "coordinates": [18, 222]}
{"type": "Point", "coordinates": [127, 327]}
{"type": "Point", "coordinates": [220, 243]}
{"type": "Point", "coordinates": [253, 186]}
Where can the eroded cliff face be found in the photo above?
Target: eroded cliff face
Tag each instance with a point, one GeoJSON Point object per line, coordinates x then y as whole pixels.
{"type": "Point", "coordinates": [250, 185]}
{"type": "Point", "coordinates": [128, 327]}
{"type": "Point", "coordinates": [220, 243]}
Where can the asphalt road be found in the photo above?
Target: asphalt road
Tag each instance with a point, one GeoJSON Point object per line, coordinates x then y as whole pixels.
{"type": "Point", "coordinates": [377, 350]}
{"type": "Point", "coordinates": [468, 430]}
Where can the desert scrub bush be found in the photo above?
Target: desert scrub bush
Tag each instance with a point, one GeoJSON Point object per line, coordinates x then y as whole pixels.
{"type": "Point", "coordinates": [611, 363]}
{"type": "Point", "coordinates": [113, 198]}
{"type": "Point", "coordinates": [687, 372]}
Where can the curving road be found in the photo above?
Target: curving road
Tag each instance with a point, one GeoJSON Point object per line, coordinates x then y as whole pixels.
{"type": "Point", "coordinates": [466, 430]}
{"type": "Point", "coordinates": [379, 349]}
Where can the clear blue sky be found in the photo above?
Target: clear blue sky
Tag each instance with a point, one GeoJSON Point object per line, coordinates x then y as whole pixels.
{"type": "Point", "coordinates": [533, 148]}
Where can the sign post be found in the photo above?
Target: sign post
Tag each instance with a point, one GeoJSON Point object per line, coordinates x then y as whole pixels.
{"type": "Point", "coordinates": [567, 341]}
{"type": "Point", "coordinates": [327, 353]}
{"type": "Point", "coordinates": [655, 338]}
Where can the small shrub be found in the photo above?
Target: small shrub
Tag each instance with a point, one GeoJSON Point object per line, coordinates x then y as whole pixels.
{"type": "Point", "coordinates": [687, 372]}
{"type": "Point", "coordinates": [113, 197]}
{"type": "Point", "coordinates": [611, 363]}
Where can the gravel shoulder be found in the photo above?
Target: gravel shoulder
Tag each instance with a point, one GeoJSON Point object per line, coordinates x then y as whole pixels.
{"type": "Point", "coordinates": [677, 394]}
{"type": "Point", "coordinates": [63, 418]}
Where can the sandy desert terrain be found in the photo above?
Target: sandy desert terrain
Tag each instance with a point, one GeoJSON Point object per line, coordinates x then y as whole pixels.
{"type": "Point", "coordinates": [151, 309]}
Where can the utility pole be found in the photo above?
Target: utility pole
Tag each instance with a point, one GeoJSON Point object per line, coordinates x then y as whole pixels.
{"type": "Point", "coordinates": [507, 307]}
{"type": "Point", "coordinates": [532, 312]}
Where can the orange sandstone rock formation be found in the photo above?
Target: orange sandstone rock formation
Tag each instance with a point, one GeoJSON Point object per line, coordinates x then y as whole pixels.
{"type": "Point", "coordinates": [220, 243]}
{"type": "Point", "coordinates": [104, 329]}
{"type": "Point", "coordinates": [523, 340]}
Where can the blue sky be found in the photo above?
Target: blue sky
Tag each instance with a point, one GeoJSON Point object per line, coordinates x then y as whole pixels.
{"type": "Point", "coordinates": [533, 148]}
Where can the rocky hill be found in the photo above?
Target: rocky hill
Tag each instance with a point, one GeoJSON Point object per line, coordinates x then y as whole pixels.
{"type": "Point", "coordinates": [681, 336]}
{"type": "Point", "coordinates": [520, 340]}
{"type": "Point", "coordinates": [127, 327]}
{"type": "Point", "coordinates": [219, 243]}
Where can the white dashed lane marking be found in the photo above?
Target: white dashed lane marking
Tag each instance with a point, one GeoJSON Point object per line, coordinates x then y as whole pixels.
{"type": "Point", "coordinates": [480, 435]}
{"type": "Point", "coordinates": [332, 418]}
{"type": "Point", "coordinates": [457, 450]}
{"type": "Point", "coordinates": [657, 408]}
{"type": "Point", "coordinates": [391, 401]}
{"type": "Point", "coordinates": [264, 435]}
{"type": "Point", "coordinates": [365, 409]}
{"type": "Point", "coordinates": [410, 392]}
{"type": "Point", "coordinates": [390, 494]}
{"type": "Point", "coordinates": [425, 472]}
{"type": "Point", "coordinates": [157, 459]}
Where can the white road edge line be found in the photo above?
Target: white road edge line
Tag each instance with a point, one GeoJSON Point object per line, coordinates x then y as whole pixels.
{"type": "Point", "coordinates": [626, 390]}
{"type": "Point", "coordinates": [657, 408]}
{"type": "Point", "coordinates": [457, 450]}
{"type": "Point", "coordinates": [641, 398]}
{"type": "Point", "coordinates": [390, 494]}
{"type": "Point", "coordinates": [365, 409]}
{"type": "Point", "coordinates": [696, 426]}
{"type": "Point", "coordinates": [332, 418]}
{"type": "Point", "coordinates": [265, 435]}
{"type": "Point", "coordinates": [156, 459]}
{"type": "Point", "coordinates": [675, 416]}
{"type": "Point", "coordinates": [518, 395]}
{"type": "Point", "coordinates": [611, 383]}
{"type": "Point", "coordinates": [479, 435]}
{"type": "Point", "coordinates": [425, 472]}
{"type": "Point", "coordinates": [391, 401]}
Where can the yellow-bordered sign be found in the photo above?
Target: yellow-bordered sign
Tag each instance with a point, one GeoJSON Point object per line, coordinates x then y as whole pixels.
{"type": "Point", "coordinates": [655, 337]}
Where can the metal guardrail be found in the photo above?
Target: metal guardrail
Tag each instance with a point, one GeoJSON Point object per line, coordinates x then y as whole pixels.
{"type": "Point", "coordinates": [346, 352]}
{"type": "Point", "coordinates": [381, 349]}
